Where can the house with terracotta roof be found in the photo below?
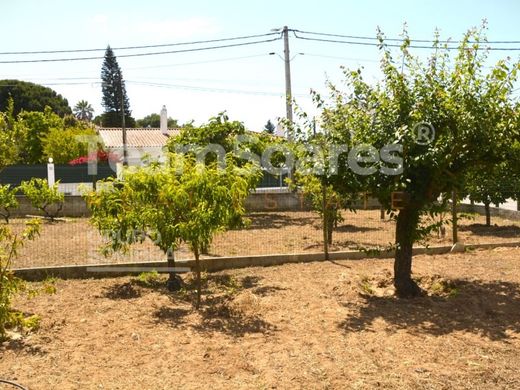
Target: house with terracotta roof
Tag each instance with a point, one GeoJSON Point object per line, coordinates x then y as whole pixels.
{"type": "Point", "coordinates": [140, 142]}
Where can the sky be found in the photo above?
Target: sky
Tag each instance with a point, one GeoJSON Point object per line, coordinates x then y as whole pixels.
{"type": "Point", "coordinates": [245, 81]}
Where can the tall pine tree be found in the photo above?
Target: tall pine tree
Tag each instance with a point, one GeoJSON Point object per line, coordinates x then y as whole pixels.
{"type": "Point", "coordinates": [114, 92]}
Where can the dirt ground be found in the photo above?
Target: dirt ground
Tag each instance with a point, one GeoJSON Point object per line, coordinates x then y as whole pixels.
{"type": "Point", "coordinates": [322, 325]}
{"type": "Point", "coordinates": [76, 241]}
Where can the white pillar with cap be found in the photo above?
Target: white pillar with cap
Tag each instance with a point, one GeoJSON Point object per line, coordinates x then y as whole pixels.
{"type": "Point", "coordinates": [51, 177]}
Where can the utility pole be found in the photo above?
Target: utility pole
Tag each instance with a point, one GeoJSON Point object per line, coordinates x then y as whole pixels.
{"type": "Point", "coordinates": [288, 93]}
{"type": "Point", "coordinates": [123, 126]}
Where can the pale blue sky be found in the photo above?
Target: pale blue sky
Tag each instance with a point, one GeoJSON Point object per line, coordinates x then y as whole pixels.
{"type": "Point", "coordinates": [250, 89]}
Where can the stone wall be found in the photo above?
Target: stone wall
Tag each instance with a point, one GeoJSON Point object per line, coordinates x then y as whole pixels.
{"type": "Point", "coordinates": [75, 206]}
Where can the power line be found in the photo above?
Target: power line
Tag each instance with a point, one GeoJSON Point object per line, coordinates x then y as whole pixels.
{"type": "Point", "coordinates": [175, 86]}
{"type": "Point", "coordinates": [394, 45]}
{"type": "Point", "coordinates": [141, 47]}
{"type": "Point", "coordinates": [397, 39]}
{"type": "Point", "coordinates": [140, 79]}
{"type": "Point", "coordinates": [208, 89]}
{"type": "Point", "coordinates": [58, 83]}
{"type": "Point", "coordinates": [198, 62]}
{"type": "Point", "coordinates": [143, 54]}
{"type": "Point", "coordinates": [340, 58]}
{"type": "Point", "coordinates": [156, 66]}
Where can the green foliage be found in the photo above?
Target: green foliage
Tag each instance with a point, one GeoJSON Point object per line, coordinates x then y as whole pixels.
{"type": "Point", "coordinates": [114, 93]}
{"type": "Point", "coordinates": [43, 197]}
{"type": "Point", "coordinates": [322, 176]}
{"type": "Point", "coordinates": [444, 288]}
{"type": "Point", "coordinates": [10, 243]}
{"type": "Point", "coordinates": [7, 201]}
{"type": "Point", "coordinates": [114, 119]}
{"type": "Point", "coordinates": [83, 111]}
{"type": "Point", "coordinates": [11, 134]}
{"type": "Point", "coordinates": [365, 284]}
{"type": "Point", "coordinates": [468, 109]}
{"type": "Point", "coordinates": [31, 97]}
{"type": "Point", "coordinates": [243, 145]}
{"type": "Point", "coordinates": [219, 130]}
{"type": "Point", "coordinates": [154, 120]}
{"type": "Point", "coordinates": [32, 137]}
{"type": "Point", "coordinates": [37, 126]}
{"type": "Point", "coordinates": [149, 279]}
{"type": "Point", "coordinates": [182, 201]}
{"type": "Point", "coordinates": [496, 183]}
{"type": "Point", "coordinates": [492, 186]}
{"type": "Point", "coordinates": [64, 145]}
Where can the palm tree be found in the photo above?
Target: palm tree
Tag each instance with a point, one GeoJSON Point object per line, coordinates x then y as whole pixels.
{"type": "Point", "coordinates": [83, 111]}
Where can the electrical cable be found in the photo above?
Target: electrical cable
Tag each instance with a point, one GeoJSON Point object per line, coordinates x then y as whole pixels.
{"type": "Point", "coordinates": [139, 47]}
{"type": "Point", "coordinates": [143, 54]}
{"type": "Point", "coordinates": [398, 39]}
{"type": "Point", "coordinates": [207, 89]}
{"type": "Point", "coordinates": [396, 45]}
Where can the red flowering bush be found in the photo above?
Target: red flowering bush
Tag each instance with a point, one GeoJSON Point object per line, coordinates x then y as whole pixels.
{"type": "Point", "coordinates": [98, 156]}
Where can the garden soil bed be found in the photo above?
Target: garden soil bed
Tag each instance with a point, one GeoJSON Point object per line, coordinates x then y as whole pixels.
{"type": "Point", "coordinates": [77, 242]}
{"type": "Point", "coordinates": [323, 325]}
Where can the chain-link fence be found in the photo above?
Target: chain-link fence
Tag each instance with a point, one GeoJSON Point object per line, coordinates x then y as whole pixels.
{"type": "Point", "coordinates": [279, 222]}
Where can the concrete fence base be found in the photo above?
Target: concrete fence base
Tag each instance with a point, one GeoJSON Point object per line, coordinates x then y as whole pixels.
{"type": "Point", "coordinates": [263, 200]}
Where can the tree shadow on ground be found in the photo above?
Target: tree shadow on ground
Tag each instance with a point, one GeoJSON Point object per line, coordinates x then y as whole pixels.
{"type": "Point", "coordinates": [267, 290]}
{"type": "Point", "coordinates": [490, 309]}
{"type": "Point", "coordinates": [21, 345]}
{"type": "Point", "coordinates": [273, 220]}
{"type": "Point", "coordinates": [175, 316]}
{"type": "Point", "coordinates": [222, 309]}
{"type": "Point", "coordinates": [355, 229]}
{"type": "Point", "coordinates": [219, 314]}
{"type": "Point", "coordinates": [509, 231]}
{"type": "Point", "coordinates": [346, 245]}
{"type": "Point", "coordinates": [339, 264]}
{"type": "Point", "coordinates": [125, 290]}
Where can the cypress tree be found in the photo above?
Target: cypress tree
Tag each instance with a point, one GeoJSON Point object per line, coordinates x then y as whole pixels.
{"type": "Point", "coordinates": [114, 92]}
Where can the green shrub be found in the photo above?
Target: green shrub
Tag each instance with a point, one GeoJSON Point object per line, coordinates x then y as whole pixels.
{"type": "Point", "coordinates": [44, 197]}
{"type": "Point", "coordinates": [149, 279]}
{"type": "Point", "coordinates": [10, 243]}
{"type": "Point", "coordinates": [7, 201]}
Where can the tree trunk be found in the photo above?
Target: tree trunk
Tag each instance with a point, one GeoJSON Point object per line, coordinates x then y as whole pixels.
{"type": "Point", "coordinates": [197, 271]}
{"type": "Point", "coordinates": [324, 222]}
{"type": "Point", "coordinates": [454, 216]}
{"type": "Point", "coordinates": [488, 214]}
{"type": "Point", "coordinates": [174, 282]}
{"type": "Point", "coordinates": [518, 205]}
{"type": "Point", "coordinates": [6, 215]}
{"type": "Point", "coordinates": [330, 226]}
{"type": "Point", "coordinates": [382, 213]}
{"type": "Point", "coordinates": [407, 221]}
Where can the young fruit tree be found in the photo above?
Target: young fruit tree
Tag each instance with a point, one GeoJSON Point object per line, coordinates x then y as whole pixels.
{"type": "Point", "coordinates": [48, 199]}
{"type": "Point", "coordinates": [491, 186]}
{"type": "Point", "coordinates": [317, 172]}
{"type": "Point", "coordinates": [181, 201]}
{"type": "Point", "coordinates": [10, 285]}
{"type": "Point", "coordinates": [7, 201]}
{"type": "Point", "coordinates": [441, 118]}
